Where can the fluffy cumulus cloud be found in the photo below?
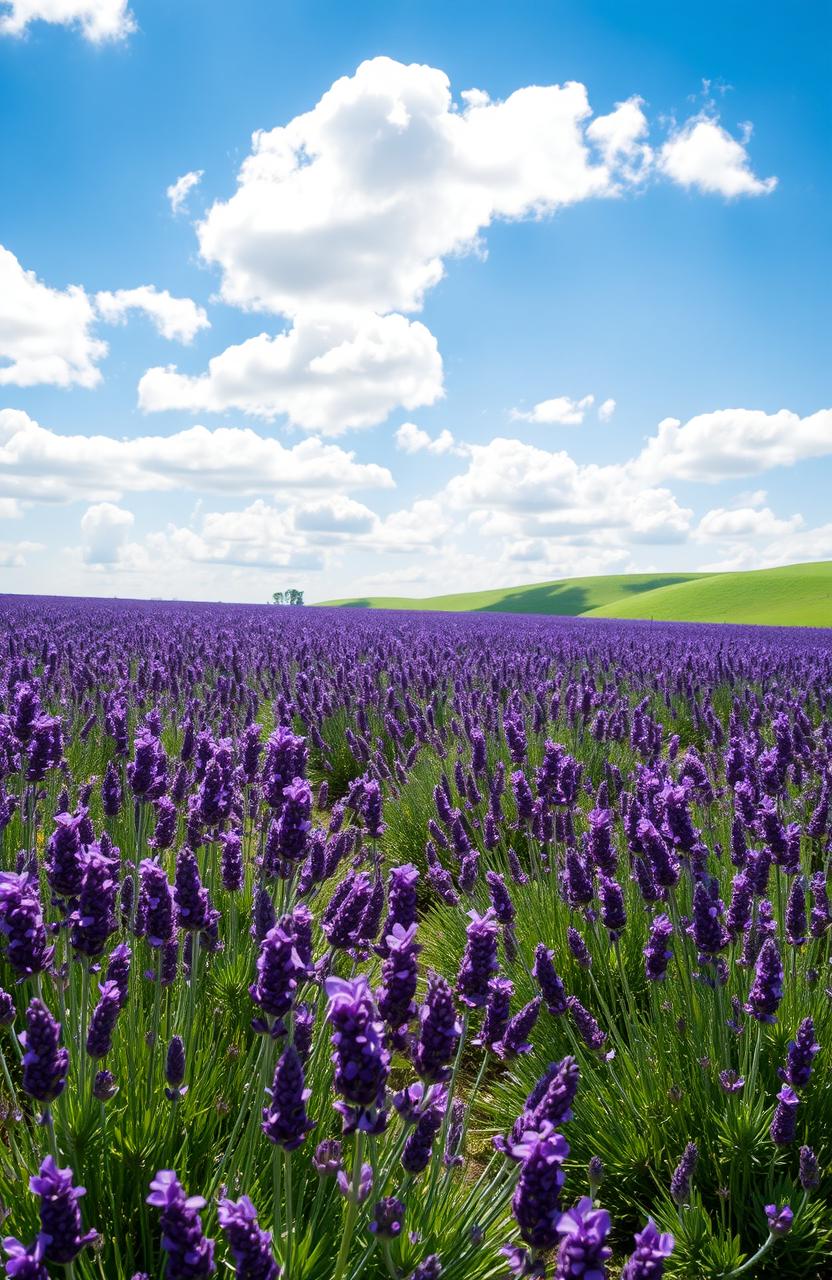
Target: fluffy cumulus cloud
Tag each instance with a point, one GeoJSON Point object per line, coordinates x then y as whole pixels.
{"type": "Point", "coordinates": [359, 201]}
{"type": "Point", "coordinates": [704, 155]}
{"type": "Point", "coordinates": [730, 443]}
{"type": "Point", "coordinates": [730, 523]}
{"type": "Point", "coordinates": [514, 488]}
{"type": "Point", "coordinates": [14, 555]}
{"type": "Point", "coordinates": [178, 319]}
{"type": "Point", "coordinates": [45, 334]}
{"type": "Point", "coordinates": [98, 20]}
{"type": "Point", "coordinates": [104, 532]}
{"type": "Point", "coordinates": [179, 191]}
{"type": "Point", "coordinates": [560, 410]}
{"type": "Point", "coordinates": [413, 439]}
{"type": "Point", "coordinates": [39, 465]}
{"type": "Point", "coordinates": [606, 410]}
{"type": "Point", "coordinates": [326, 374]}
{"type": "Point", "coordinates": [621, 137]}
{"type": "Point", "coordinates": [301, 537]}
{"type": "Point", "coordinates": [345, 217]}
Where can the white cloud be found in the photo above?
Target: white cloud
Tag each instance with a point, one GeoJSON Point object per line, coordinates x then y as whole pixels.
{"type": "Point", "coordinates": [325, 374]}
{"type": "Point", "coordinates": [744, 522]}
{"type": "Point", "coordinates": [45, 333]}
{"type": "Point", "coordinates": [178, 319]}
{"type": "Point", "coordinates": [104, 531]}
{"type": "Point", "coordinates": [38, 465]}
{"type": "Point", "coordinates": [13, 554]}
{"type": "Point", "coordinates": [560, 410]}
{"type": "Point", "coordinates": [338, 515]}
{"type": "Point", "coordinates": [413, 439]}
{"type": "Point", "coordinates": [98, 20]}
{"type": "Point", "coordinates": [704, 155]}
{"type": "Point", "coordinates": [513, 488]}
{"type": "Point", "coordinates": [621, 139]}
{"type": "Point", "coordinates": [178, 191]}
{"type": "Point", "coordinates": [359, 201]}
{"type": "Point", "coordinates": [734, 442]}
{"type": "Point", "coordinates": [606, 410]}
{"type": "Point", "coordinates": [349, 213]}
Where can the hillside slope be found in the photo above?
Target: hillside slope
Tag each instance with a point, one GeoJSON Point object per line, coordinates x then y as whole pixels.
{"type": "Point", "coordinates": [796, 595]}
{"type": "Point", "coordinates": [568, 597]}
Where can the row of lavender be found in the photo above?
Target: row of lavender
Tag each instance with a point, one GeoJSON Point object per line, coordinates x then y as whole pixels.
{"type": "Point", "coordinates": [349, 917]}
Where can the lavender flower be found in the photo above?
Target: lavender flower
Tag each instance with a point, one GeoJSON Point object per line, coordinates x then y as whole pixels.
{"type": "Point", "coordinates": [190, 1254]}
{"type": "Point", "coordinates": [251, 1247]}
{"type": "Point", "coordinates": [799, 1056]}
{"type": "Point", "coordinates": [279, 968]}
{"type": "Point", "coordinates": [680, 1183]}
{"type": "Point", "coordinates": [361, 1059]}
{"type": "Point", "coordinates": [779, 1219]}
{"type": "Point", "coordinates": [21, 921]}
{"type": "Point", "coordinates": [60, 1216]}
{"type": "Point", "coordinates": [650, 1254]}
{"type": "Point", "coordinates": [285, 1121]}
{"type": "Point", "coordinates": [417, 1149]}
{"type": "Point", "coordinates": [103, 1021]}
{"type": "Point", "coordinates": [551, 987]}
{"type": "Point", "coordinates": [515, 1038]}
{"type": "Point", "coordinates": [536, 1200]}
{"type": "Point", "coordinates": [439, 1031]}
{"type": "Point", "coordinates": [45, 1064]}
{"type": "Point", "coordinates": [586, 1026]}
{"type": "Point", "coordinates": [175, 1069]}
{"type": "Point", "coordinates": [657, 953]}
{"type": "Point", "coordinates": [809, 1174]}
{"type": "Point", "coordinates": [479, 960]}
{"type": "Point", "coordinates": [767, 989]}
{"type": "Point", "coordinates": [388, 1218]}
{"type": "Point", "coordinates": [784, 1120]}
{"type": "Point", "coordinates": [582, 1251]}
{"type": "Point", "coordinates": [399, 980]}
{"type": "Point", "coordinates": [155, 903]}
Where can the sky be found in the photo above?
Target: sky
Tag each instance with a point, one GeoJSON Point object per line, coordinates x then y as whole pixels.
{"type": "Point", "coordinates": [405, 298]}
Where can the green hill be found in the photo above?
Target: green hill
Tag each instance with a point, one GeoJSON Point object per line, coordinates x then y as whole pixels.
{"type": "Point", "coordinates": [570, 596]}
{"type": "Point", "coordinates": [796, 595]}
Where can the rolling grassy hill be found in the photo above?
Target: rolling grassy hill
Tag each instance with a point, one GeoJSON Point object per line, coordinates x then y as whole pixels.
{"type": "Point", "coordinates": [796, 595]}
{"type": "Point", "coordinates": [568, 597]}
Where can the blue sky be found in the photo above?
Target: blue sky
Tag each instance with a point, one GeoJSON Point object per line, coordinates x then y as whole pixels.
{"type": "Point", "coordinates": [410, 292]}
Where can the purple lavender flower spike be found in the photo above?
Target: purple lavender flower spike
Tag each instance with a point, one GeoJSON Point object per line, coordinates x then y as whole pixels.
{"type": "Point", "coordinates": [60, 1216]}
{"type": "Point", "coordinates": [651, 1252]}
{"type": "Point", "coordinates": [190, 1254]}
{"type": "Point", "coordinates": [767, 988]}
{"type": "Point", "coordinates": [285, 1121]}
{"type": "Point", "coordinates": [784, 1121]}
{"type": "Point", "coordinates": [439, 1031]}
{"type": "Point", "coordinates": [362, 1062]}
{"type": "Point", "coordinates": [583, 1251]}
{"type": "Point", "coordinates": [536, 1200]}
{"type": "Point", "coordinates": [250, 1245]}
{"type": "Point", "coordinates": [682, 1180]}
{"type": "Point", "coordinates": [45, 1064]}
{"type": "Point", "coordinates": [479, 961]}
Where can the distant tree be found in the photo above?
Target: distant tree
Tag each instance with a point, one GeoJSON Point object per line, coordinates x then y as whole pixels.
{"type": "Point", "coordinates": [292, 596]}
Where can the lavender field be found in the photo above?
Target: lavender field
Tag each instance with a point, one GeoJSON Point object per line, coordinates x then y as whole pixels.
{"type": "Point", "coordinates": [339, 945]}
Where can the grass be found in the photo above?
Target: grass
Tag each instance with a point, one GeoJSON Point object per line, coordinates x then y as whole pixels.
{"type": "Point", "coordinates": [566, 598]}
{"type": "Point", "coordinates": [795, 595]}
